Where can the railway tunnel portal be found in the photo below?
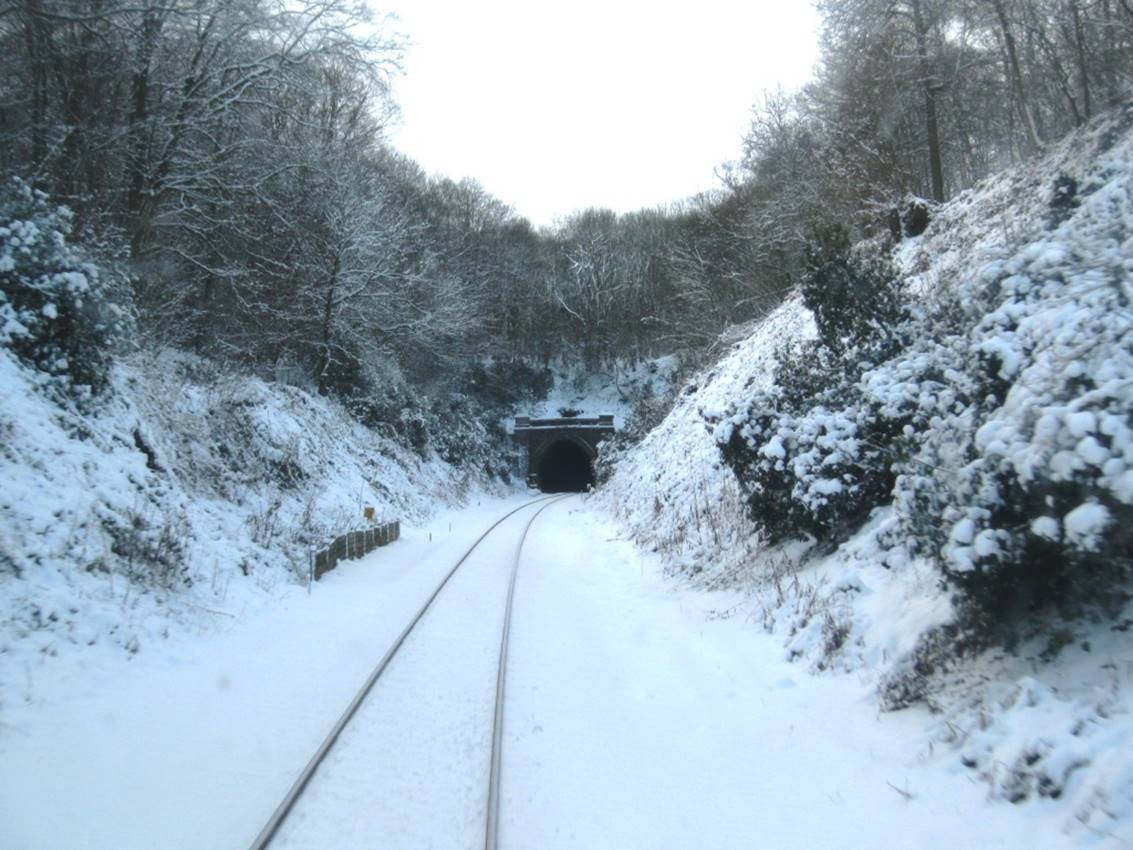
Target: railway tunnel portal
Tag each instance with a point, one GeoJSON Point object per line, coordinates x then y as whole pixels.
{"type": "Point", "coordinates": [561, 452]}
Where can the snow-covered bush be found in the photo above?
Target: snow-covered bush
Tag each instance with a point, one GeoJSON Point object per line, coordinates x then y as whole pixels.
{"type": "Point", "coordinates": [1024, 492]}
{"type": "Point", "coordinates": [809, 469]}
{"type": "Point", "coordinates": [813, 453]}
{"type": "Point", "coordinates": [854, 294]}
{"type": "Point", "coordinates": [54, 312]}
{"type": "Point", "coordinates": [997, 416]}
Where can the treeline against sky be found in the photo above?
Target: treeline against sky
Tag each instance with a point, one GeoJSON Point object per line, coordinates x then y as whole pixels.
{"type": "Point", "coordinates": [228, 155]}
{"type": "Point", "coordinates": [929, 96]}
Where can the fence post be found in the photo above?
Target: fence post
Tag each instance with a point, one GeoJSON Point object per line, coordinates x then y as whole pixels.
{"type": "Point", "coordinates": [352, 544]}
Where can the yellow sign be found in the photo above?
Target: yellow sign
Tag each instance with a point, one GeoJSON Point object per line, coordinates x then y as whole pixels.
{"type": "Point", "coordinates": [368, 512]}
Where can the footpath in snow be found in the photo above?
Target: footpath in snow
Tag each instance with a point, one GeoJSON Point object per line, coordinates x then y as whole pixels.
{"type": "Point", "coordinates": [637, 717]}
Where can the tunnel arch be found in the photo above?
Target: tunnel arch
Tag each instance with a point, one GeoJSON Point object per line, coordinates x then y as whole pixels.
{"type": "Point", "coordinates": [553, 466]}
{"type": "Point", "coordinates": [565, 465]}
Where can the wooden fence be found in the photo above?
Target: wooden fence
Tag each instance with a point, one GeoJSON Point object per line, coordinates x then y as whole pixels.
{"type": "Point", "coordinates": [353, 544]}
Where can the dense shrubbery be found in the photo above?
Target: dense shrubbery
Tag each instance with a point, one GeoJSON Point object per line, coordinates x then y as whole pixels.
{"type": "Point", "coordinates": [809, 470]}
{"type": "Point", "coordinates": [1001, 430]}
{"type": "Point", "coordinates": [463, 421]}
{"type": "Point", "coordinates": [1024, 493]}
{"type": "Point", "coordinates": [466, 423]}
{"type": "Point", "coordinates": [854, 294]}
{"type": "Point", "coordinates": [55, 310]}
{"type": "Point", "coordinates": [1020, 485]}
{"type": "Point", "coordinates": [814, 453]}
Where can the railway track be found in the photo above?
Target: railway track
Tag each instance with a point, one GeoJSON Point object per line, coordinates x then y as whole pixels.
{"type": "Point", "coordinates": [491, 821]}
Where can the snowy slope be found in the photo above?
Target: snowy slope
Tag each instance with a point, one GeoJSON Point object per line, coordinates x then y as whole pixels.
{"type": "Point", "coordinates": [672, 491]}
{"type": "Point", "coordinates": [186, 495]}
{"type": "Point", "coordinates": [636, 718]}
{"type": "Point", "coordinates": [1050, 724]}
{"type": "Point", "coordinates": [613, 391]}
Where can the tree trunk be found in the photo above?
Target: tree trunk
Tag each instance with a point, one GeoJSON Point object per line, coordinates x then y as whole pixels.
{"type": "Point", "coordinates": [328, 327]}
{"type": "Point", "coordinates": [1051, 53]}
{"type": "Point", "coordinates": [156, 173]}
{"type": "Point", "coordinates": [137, 158]}
{"type": "Point", "coordinates": [1016, 74]}
{"type": "Point", "coordinates": [929, 86]}
{"type": "Point", "coordinates": [74, 78]}
{"type": "Point", "coordinates": [1080, 55]}
{"type": "Point", "coordinates": [37, 36]}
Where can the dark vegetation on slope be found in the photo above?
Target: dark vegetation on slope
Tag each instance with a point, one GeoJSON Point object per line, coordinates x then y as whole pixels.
{"type": "Point", "coordinates": [996, 416]}
{"type": "Point", "coordinates": [227, 173]}
{"type": "Point", "coordinates": [813, 456]}
{"type": "Point", "coordinates": [229, 159]}
{"type": "Point", "coordinates": [58, 313]}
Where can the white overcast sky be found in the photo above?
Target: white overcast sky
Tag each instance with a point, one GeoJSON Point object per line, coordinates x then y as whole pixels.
{"type": "Point", "coordinates": [556, 106]}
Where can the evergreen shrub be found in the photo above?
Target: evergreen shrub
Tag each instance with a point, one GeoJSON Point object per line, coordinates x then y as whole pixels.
{"type": "Point", "coordinates": [55, 311]}
{"type": "Point", "coordinates": [814, 454]}
{"type": "Point", "coordinates": [998, 425]}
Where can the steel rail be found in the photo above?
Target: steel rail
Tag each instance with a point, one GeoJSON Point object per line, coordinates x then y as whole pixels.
{"type": "Point", "coordinates": [271, 828]}
{"type": "Point", "coordinates": [492, 827]}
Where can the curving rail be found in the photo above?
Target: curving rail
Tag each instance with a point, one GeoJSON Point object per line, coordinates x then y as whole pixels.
{"type": "Point", "coordinates": [492, 826]}
{"type": "Point", "coordinates": [271, 828]}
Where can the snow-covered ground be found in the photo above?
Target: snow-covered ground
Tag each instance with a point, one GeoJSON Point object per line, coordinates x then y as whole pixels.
{"type": "Point", "coordinates": [163, 674]}
{"type": "Point", "coordinates": [192, 742]}
{"type": "Point", "coordinates": [637, 716]}
{"type": "Point", "coordinates": [183, 496]}
{"type": "Point", "coordinates": [1048, 726]}
{"type": "Point", "coordinates": [646, 717]}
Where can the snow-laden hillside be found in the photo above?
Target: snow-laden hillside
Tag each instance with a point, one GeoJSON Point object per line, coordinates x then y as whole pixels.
{"type": "Point", "coordinates": [673, 491]}
{"type": "Point", "coordinates": [611, 391]}
{"type": "Point", "coordinates": [1042, 290]}
{"type": "Point", "coordinates": [184, 495]}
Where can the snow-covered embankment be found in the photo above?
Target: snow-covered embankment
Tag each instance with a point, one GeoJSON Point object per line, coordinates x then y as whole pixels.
{"type": "Point", "coordinates": [183, 495]}
{"type": "Point", "coordinates": [1046, 280]}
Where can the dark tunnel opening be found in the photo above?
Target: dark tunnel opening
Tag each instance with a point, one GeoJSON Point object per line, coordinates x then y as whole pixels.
{"type": "Point", "coordinates": [565, 468]}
